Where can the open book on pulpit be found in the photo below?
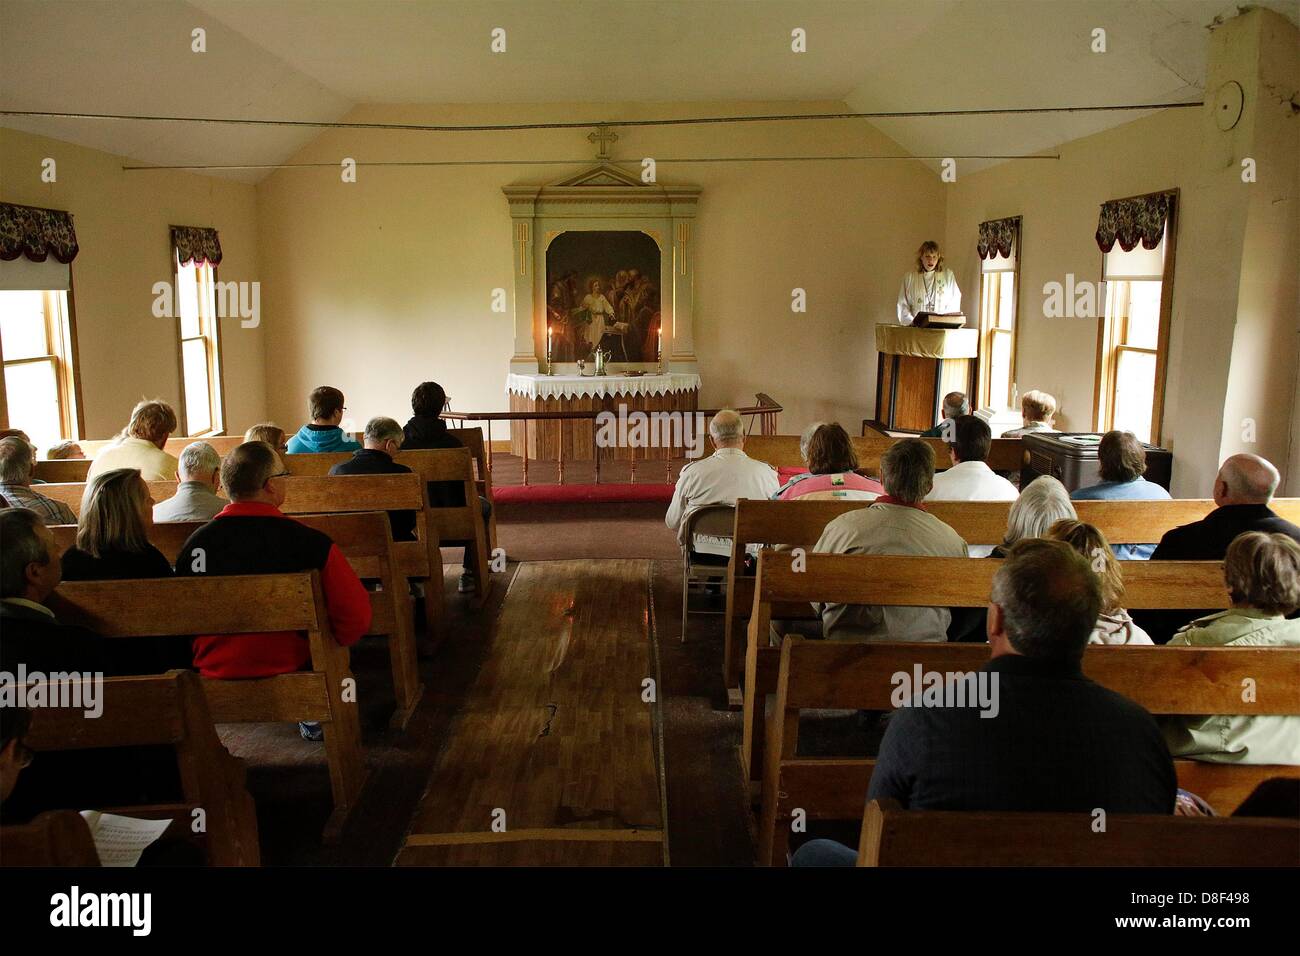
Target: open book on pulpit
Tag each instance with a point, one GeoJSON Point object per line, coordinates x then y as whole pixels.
{"type": "Point", "coordinates": [939, 320]}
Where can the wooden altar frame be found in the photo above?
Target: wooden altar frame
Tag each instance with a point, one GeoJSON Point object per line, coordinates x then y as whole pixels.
{"type": "Point", "coordinates": [601, 198]}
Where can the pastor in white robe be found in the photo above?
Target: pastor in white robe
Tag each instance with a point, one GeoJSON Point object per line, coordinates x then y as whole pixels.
{"type": "Point", "coordinates": [927, 292]}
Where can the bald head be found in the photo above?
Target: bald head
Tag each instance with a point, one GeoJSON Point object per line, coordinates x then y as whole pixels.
{"type": "Point", "coordinates": [726, 429]}
{"type": "Point", "coordinates": [1245, 480]}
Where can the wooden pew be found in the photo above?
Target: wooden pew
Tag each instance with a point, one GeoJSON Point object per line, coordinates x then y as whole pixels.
{"type": "Point", "coordinates": [464, 523]}
{"type": "Point", "coordinates": [223, 444]}
{"type": "Point", "coordinates": [243, 604]}
{"type": "Point", "coordinates": [53, 838]}
{"type": "Point", "coordinates": [366, 540]}
{"type": "Point", "coordinates": [172, 710]}
{"type": "Point", "coordinates": [472, 438]}
{"type": "Point", "coordinates": [841, 674]}
{"type": "Point", "coordinates": [62, 471]}
{"type": "Point", "coordinates": [781, 592]}
{"type": "Point", "coordinates": [782, 451]}
{"type": "Point", "coordinates": [419, 560]}
{"type": "Point", "coordinates": [892, 836]}
{"type": "Point", "coordinates": [800, 524]}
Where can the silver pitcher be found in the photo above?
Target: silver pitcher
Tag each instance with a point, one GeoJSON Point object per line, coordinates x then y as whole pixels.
{"type": "Point", "coordinates": [601, 358]}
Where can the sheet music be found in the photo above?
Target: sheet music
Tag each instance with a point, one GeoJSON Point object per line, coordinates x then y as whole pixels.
{"type": "Point", "coordinates": [120, 840]}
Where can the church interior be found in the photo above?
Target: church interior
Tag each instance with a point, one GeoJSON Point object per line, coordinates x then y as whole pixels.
{"type": "Point", "coordinates": [650, 253]}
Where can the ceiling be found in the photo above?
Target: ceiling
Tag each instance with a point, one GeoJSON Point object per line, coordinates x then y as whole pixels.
{"type": "Point", "coordinates": [317, 59]}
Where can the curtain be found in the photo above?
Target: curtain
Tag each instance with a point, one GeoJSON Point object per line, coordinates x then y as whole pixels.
{"type": "Point", "coordinates": [196, 244]}
{"type": "Point", "coordinates": [998, 237]}
{"type": "Point", "coordinates": [36, 234]}
{"type": "Point", "coordinates": [1130, 221]}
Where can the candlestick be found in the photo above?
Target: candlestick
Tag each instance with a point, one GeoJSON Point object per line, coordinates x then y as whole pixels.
{"type": "Point", "coordinates": [550, 370]}
{"type": "Point", "coordinates": [659, 358]}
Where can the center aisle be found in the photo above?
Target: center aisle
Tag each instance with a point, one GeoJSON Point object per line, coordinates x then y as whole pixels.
{"type": "Point", "coordinates": [554, 742]}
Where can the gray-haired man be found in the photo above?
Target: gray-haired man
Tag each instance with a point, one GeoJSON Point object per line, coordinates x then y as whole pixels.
{"type": "Point", "coordinates": [196, 497]}
{"type": "Point", "coordinates": [893, 524]}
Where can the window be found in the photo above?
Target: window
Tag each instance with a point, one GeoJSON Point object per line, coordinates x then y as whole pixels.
{"type": "Point", "coordinates": [200, 348]}
{"type": "Point", "coordinates": [1134, 337]}
{"type": "Point", "coordinates": [999, 293]}
{"type": "Point", "coordinates": [36, 342]}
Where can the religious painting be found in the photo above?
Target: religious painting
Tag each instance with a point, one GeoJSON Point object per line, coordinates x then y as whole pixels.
{"type": "Point", "coordinates": [603, 290]}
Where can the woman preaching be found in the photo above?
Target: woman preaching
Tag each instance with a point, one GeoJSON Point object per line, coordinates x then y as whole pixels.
{"type": "Point", "coordinates": [928, 288]}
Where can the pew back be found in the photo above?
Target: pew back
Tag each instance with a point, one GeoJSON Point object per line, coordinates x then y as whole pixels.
{"type": "Point", "coordinates": [800, 524]}
{"type": "Point", "coordinates": [169, 710]}
{"type": "Point", "coordinates": [892, 836]}
{"type": "Point", "coordinates": [242, 604]}
{"type": "Point", "coordinates": [782, 451]}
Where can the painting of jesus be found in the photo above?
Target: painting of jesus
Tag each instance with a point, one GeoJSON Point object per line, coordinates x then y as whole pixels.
{"type": "Point", "coordinates": [603, 292]}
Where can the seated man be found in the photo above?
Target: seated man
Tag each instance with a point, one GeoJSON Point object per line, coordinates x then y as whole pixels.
{"type": "Point", "coordinates": [895, 523]}
{"type": "Point", "coordinates": [383, 439]}
{"type": "Point", "coordinates": [427, 430]}
{"type": "Point", "coordinates": [970, 478]}
{"type": "Point", "coordinates": [16, 484]}
{"type": "Point", "coordinates": [141, 445]}
{"type": "Point", "coordinates": [955, 404]}
{"type": "Point", "coordinates": [322, 433]}
{"type": "Point", "coordinates": [1123, 461]}
{"type": "Point", "coordinates": [31, 567]}
{"type": "Point", "coordinates": [721, 479]}
{"type": "Point", "coordinates": [252, 536]}
{"type": "Point", "coordinates": [1242, 490]}
{"type": "Point", "coordinates": [196, 496]}
{"type": "Point", "coordinates": [1038, 409]}
{"type": "Point", "coordinates": [1058, 742]}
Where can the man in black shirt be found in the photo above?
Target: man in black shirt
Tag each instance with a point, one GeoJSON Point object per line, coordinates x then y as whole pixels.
{"type": "Point", "coordinates": [383, 439]}
{"type": "Point", "coordinates": [1242, 490]}
{"type": "Point", "coordinates": [1052, 741]}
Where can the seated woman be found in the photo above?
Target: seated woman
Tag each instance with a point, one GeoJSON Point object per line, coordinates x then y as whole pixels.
{"type": "Point", "coordinates": [1114, 626]}
{"type": "Point", "coordinates": [270, 433]}
{"type": "Point", "coordinates": [1041, 504]}
{"type": "Point", "coordinates": [113, 545]}
{"type": "Point", "coordinates": [1262, 572]}
{"type": "Point", "coordinates": [832, 467]}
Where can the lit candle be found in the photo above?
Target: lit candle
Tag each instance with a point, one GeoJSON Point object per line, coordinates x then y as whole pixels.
{"type": "Point", "coordinates": [660, 330]}
{"type": "Point", "coordinates": [548, 341]}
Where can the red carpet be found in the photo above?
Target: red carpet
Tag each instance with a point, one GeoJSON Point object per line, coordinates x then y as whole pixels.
{"type": "Point", "coordinates": [613, 492]}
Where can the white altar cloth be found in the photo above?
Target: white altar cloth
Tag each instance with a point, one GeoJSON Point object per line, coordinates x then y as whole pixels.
{"type": "Point", "coordinates": [575, 386]}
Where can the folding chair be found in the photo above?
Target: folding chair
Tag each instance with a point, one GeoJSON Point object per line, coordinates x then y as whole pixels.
{"type": "Point", "coordinates": [715, 520]}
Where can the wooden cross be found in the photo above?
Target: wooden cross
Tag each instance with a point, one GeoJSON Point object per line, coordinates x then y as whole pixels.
{"type": "Point", "coordinates": [604, 137]}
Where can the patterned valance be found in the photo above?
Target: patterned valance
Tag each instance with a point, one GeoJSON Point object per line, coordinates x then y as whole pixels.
{"type": "Point", "coordinates": [196, 244]}
{"type": "Point", "coordinates": [998, 237]}
{"type": "Point", "coordinates": [36, 234]}
{"type": "Point", "coordinates": [1130, 221]}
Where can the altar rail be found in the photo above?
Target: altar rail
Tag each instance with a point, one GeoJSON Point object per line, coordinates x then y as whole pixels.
{"type": "Point", "coordinates": [765, 410]}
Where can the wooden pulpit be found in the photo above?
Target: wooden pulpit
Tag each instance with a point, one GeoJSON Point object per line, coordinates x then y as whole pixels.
{"type": "Point", "coordinates": [916, 368]}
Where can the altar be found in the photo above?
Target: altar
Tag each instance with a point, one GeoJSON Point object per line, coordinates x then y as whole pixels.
{"type": "Point", "coordinates": [574, 439]}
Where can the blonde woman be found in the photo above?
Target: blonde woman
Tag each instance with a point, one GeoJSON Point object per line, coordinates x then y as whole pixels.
{"type": "Point", "coordinates": [113, 544]}
{"type": "Point", "coordinates": [930, 287]}
{"type": "Point", "coordinates": [1114, 626]}
{"type": "Point", "coordinates": [1262, 572]}
{"type": "Point", "coordinates": [113, 531]}
{"type": "Point", "coordinates": [1042, 503]}
{"type": "Point", "coordinates": [270, 433]}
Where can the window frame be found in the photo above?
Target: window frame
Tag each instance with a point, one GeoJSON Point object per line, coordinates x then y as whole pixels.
{"type": "Point", "coordinates": [987, 332]}
{"type": "Point", "coordinates": [213, 350]}
{"type": "Point", "coordinates": [1110, 342]}
{"type": "Point", "coordinates": [61, 342]}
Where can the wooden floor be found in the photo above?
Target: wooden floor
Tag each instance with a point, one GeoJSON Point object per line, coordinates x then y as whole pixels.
{"type": "Point", "coordinates": [554, 732]}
